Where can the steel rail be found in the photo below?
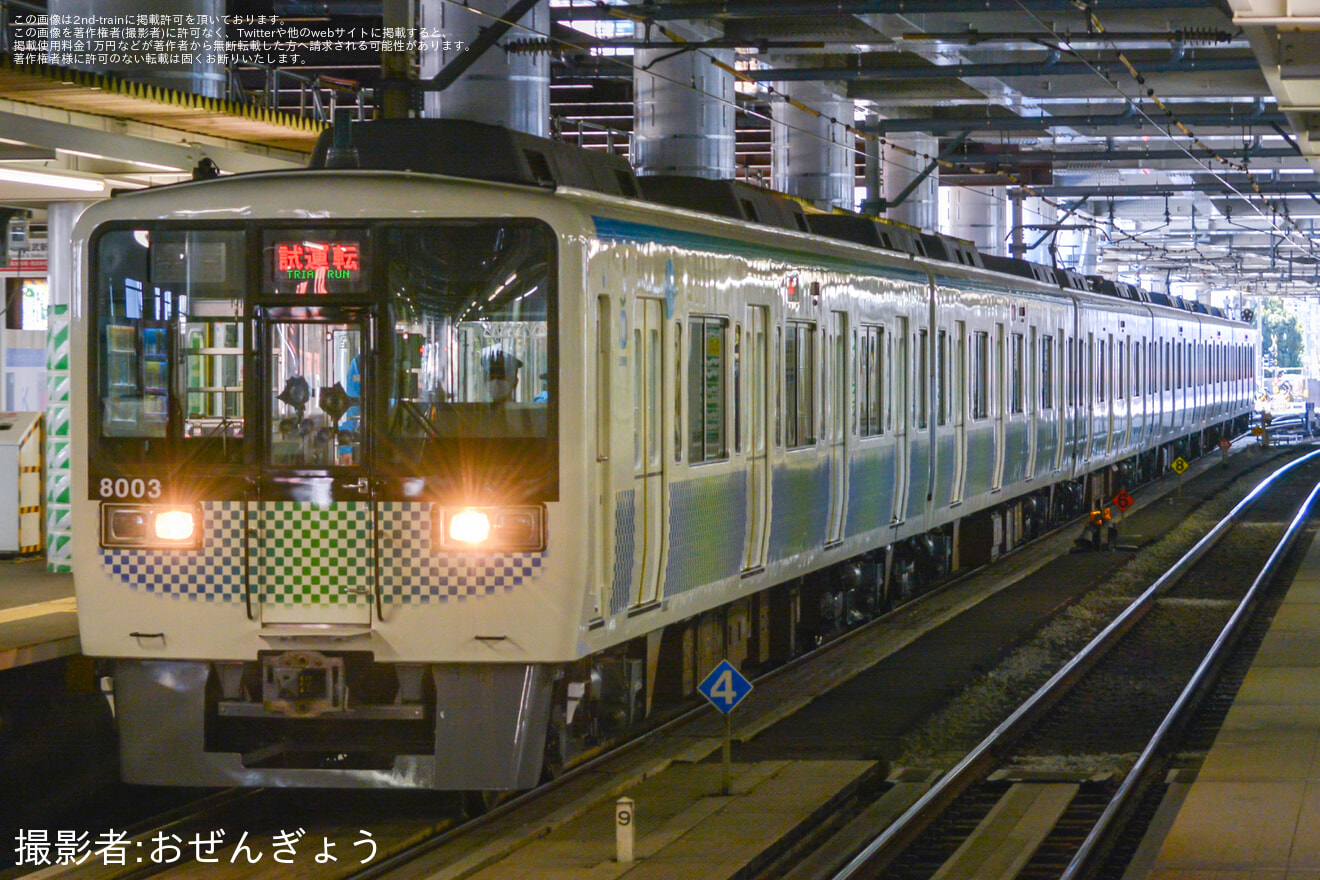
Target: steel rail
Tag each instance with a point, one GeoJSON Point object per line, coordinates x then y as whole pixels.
{"type": "Point", "coordinates": [885, 847]}
{"type": "Point", "coordinates": [408, 854]}
{"type": "Point", "coordinates": [1094, 847]}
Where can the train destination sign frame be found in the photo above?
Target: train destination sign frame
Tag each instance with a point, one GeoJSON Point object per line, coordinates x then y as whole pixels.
{"type": "Point", "coordinates": [316, 261]}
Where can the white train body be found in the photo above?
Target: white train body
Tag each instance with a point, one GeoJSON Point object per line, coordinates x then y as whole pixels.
{"type": "Point", "coordinates": [323, 625]}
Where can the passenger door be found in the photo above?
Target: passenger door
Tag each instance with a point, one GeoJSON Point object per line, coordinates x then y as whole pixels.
{"type": "Point", "coordinates": [901, 415]}
{"type": "Point", "coordinates": [836, 421]}
{"type": "Point", "coordinates": [312, 557]}
{"type": "Point", "coordinates": [959, 412]}
{"type": "Point", "coordinates": [999, 398]}
{"type": "Point", "coordinates": [648, 445]}
{"type": "Point", "coordinates": [606, 502]}
{"type": "Point", "coordinates": [757, 410]}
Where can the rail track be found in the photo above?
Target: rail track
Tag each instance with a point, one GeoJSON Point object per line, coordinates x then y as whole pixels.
{"type": "Point", "coordinates": [1060, 770]}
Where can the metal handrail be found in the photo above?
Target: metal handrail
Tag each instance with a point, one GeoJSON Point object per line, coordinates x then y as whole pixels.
{"type": "Point", "coordinates": [318, 96]}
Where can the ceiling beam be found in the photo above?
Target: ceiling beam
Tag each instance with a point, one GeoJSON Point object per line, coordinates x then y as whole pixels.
{"type": "Point", "coordinates": [1090, 120]}
{"type": "Point", "coordinates": [1035, 157]}
{"type": "Point", "coordinates": [105, 137]}
{"type": "Point", "coordinates": [1160, 190]}
{"type": "Point", "coordinates": [963, 71]}
{"type": "Point", "coordinates": [795, 8]}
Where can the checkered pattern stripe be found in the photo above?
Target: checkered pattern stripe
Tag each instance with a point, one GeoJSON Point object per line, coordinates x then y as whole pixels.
{"type": "Point", "coordinates": [871, 501]}
{"type": "Point", "coordinates": [212, 574]}
{"type": "Point", "coordinates": [707, 524]}
{"type": "Point", "coordinates": [625, 544]}
{"type": "Point", "coordinates": [313, 555]}
{"type": "Point", "coordinates": [412, 573]}
{"type": "Point", "coordinates": [801, 496]}
{"type": "Point", "coordinates": [307, 554]}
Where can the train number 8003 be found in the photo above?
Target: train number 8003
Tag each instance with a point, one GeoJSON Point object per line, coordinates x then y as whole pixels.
{"type": "Point", "coordinates": [125, 487]}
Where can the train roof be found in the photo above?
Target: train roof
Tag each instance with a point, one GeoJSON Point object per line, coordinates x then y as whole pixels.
{"type": "Point", "coordinates": [473, 151]}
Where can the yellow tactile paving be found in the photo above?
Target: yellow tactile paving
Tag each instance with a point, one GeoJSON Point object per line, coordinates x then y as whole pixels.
{"type": "Point", "coordinates": [24, 612]}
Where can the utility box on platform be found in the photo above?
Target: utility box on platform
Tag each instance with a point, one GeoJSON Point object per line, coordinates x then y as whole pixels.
{"type": "Point", "coordinates": [22, 495]}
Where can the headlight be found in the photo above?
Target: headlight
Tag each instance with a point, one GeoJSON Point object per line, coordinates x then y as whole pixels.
{"type": "Point", "coordinates": [489, 528]}
{"type": "Point", "coordinates": [144, 525]}
{"type": "Point", "coordinates": [174, 525]}
{"type": "Point", "coordinates": [469, 527]}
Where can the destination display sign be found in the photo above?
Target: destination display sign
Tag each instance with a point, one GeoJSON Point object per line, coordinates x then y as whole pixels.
{"type": "Point", "coordinates": [316, 262]}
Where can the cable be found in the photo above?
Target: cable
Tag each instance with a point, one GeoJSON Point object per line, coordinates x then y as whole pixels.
{"type": "Point", "coordinates": [1308, 247]}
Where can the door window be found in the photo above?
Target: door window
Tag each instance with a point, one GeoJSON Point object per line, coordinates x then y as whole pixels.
{"type": "Point", "coordinates": [314, 395]}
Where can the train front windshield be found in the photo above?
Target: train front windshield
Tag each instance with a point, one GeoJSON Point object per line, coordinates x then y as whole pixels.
{"type": "Point", "coordinates": [406, 350]}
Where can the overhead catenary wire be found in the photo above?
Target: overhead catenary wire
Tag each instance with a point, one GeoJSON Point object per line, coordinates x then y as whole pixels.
{"type": "Point", "coordinates": [1150, 94]}
{"type": "Point", "coordinates": [856, 133]}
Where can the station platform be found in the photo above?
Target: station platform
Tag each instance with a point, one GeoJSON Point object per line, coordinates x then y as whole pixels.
{"type": "Point", "coordinates": [692, 830]}
{"type": "Point", "coordinates": [1253, 810]}
{"type": "Point", "coordinates": [38, 615]}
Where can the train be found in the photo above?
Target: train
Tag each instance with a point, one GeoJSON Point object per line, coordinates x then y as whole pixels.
{"type": "Point", "coordinates": [437, 462]}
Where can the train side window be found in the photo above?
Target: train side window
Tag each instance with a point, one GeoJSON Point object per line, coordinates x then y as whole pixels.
{"type": "Point", "coordinates": [1102, 379]}
{"type": "Point", "coordinates": [1016, 389]}
{"type": "Point", "coordinates": [942, 378]}
{"type": "Point", "coordinates": [1121, 389]}
{"type": "Point", "coordinates": [799, 384]}
{"type": "Point", "coordinates": [779, 385]}
{"type": "Point", "coordinates": [1032, 374]}
{"type": "Point", "coordinates": [707, 344]}
{"type": "Point", "coordinates": [604, 373]}
{"type": "Point", "coordinates": [678, 391]}
{"type": "Point", "coordinates": [169, 343]}
{"type": "Point", "coordinates": [958, 404]}
{"type": "Point", "coordinates": [1135, 390]}
{"type": "Point", "coordinates": [638, 393]}
{"type": "Point", "coordinates": [923, 372]}
{"type": "Point", "coordinates": [737, 388]}
{"type": "Point", "coordinates": [871, 381]}
{"type": "Point", "coordinates": [980, 369]}
{"type": "Point", "coordinates": [1155, 374]}
{"type": "Point", "coordinates": [1047, 372]}
{"type": "Point", "coordinates": [1071, 372]}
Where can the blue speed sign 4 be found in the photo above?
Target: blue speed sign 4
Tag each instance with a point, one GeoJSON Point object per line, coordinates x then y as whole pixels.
{"type": "Point", "coordinates": [725, 687]}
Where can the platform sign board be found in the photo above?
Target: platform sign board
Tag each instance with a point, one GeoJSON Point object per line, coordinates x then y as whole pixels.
{"type": "Point", "coordinates": [725, 687]}
{"type": "Point", "coordinates": [1123, 500]}
{"type": "Point", "coordinates": [1179, 465]}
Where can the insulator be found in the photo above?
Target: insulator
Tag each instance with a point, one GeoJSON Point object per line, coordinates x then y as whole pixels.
{"type": "Point", "coordinates": [1204, 35]}
{"type": "Point", "coordinates": [529, 47]}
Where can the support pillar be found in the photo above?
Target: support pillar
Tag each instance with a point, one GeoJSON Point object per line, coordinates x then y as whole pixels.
{"type": "Point", "coordinates": [683, 114]}
{"type": "Point", "coordinates": [900, 168]}
{"type": "Point", "coordinates": [1038, 214]}
{"type": "Point", "coordinates": [198, 77]}
{"type": "Point", "coordinates": [60, 217]}
{"type": "Point", "coordinates": [980, 215]}
{"type": "Point", "coordinates": [871, 205]}
{"type": "Point", "coordinates": [501, 88]}
{"type": "Point", "coordinates": [812, 156]}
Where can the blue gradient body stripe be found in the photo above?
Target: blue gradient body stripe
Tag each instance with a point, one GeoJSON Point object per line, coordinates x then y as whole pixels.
{"type": "Point", "coordinates": [610, 229]}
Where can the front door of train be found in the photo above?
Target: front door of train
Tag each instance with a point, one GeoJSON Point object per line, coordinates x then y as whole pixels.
{"type": "Point", "coordinates": [311, 526]}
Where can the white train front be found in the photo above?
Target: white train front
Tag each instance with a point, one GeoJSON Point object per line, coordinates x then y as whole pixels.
{"type": "Point", "coordinates": [382, 477]}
